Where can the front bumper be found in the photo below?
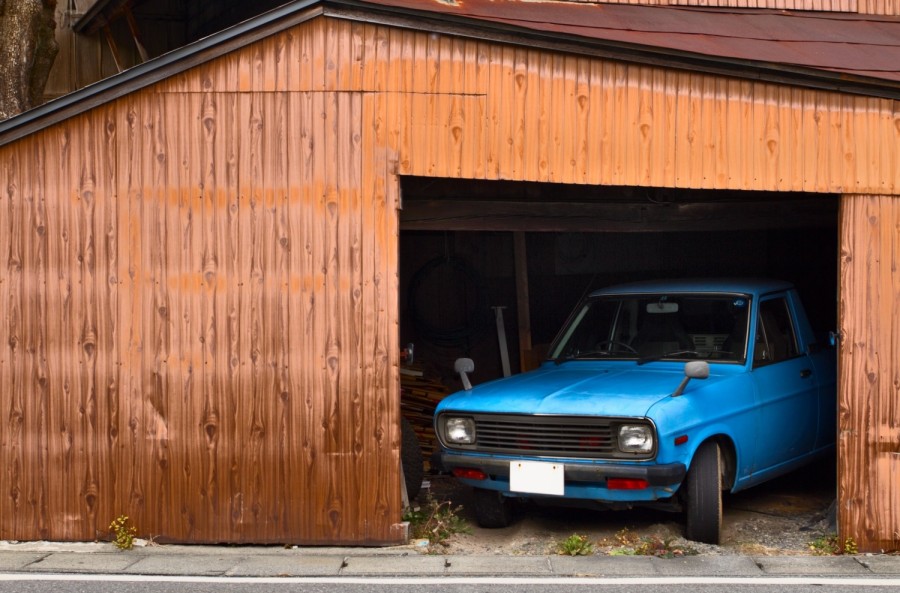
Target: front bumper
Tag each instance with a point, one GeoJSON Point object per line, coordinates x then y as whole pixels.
{"type": "Point", "coordinates": [583, 481]}
{"type": "Point", "coordinates": [667, 474]}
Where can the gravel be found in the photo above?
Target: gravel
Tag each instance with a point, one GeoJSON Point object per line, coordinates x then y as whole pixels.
{"type": "Point", "coordinates": [781, 517]}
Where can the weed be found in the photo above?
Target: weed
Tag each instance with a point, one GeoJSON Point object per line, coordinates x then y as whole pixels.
{"type": "Point", "coordinates": [575, 545]}
{"type": "Point", "coordinates": [436, 521]}
{"type": "Point", "coordinates": [124, 532]}
{"type": "Point", "coordinates": [628, 543]}
{"type": "Point", "coordinates": [626, 538]}
{"type": "Point", "coordinates": [830, 545]}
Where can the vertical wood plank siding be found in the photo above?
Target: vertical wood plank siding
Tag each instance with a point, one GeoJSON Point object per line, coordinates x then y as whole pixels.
{"type": "Point", "coordinates": [885, 7]}
{"type": "Point", "coordinates": [869, 396]}
{"type": "Point", "coordinates": [242, 388]}
{"type": "Point", "coordinates": [550, 117]}
{"type": "Point", "coordinates": [58, 370]}
{"type": "Point", "coordinates": [545, 116]}
{"type": "Point", "coordinates": [200, 293]}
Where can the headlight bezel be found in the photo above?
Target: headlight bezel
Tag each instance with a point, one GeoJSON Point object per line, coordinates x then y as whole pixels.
{"type": "Point", "coordinates": [453, 428]}
{"type": "Point", "coordinates": [642, 438]}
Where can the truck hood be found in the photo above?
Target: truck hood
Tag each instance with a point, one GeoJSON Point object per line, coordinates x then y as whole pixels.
{"type": "Point", "coordinates": [567, 390]}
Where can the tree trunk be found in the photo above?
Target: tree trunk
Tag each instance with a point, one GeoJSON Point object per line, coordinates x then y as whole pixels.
{"type": "Point", "coordinates": [27, 50]}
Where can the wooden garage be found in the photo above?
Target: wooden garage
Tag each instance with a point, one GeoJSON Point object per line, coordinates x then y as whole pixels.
{"type": "Point", "coordinates": [202, 274]}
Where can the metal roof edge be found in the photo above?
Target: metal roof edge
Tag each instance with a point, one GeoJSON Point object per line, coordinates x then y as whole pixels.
{"type": "Point", "coordinates": [488, 30]}
{"type": "Point", "coordinates": [157, 69]}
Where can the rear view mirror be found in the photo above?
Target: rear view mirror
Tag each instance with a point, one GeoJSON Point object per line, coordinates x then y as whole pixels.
{"type": "Point", "coordinates": [662, 307]}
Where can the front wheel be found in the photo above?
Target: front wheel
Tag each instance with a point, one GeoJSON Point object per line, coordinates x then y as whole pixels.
{"type": "Point", "coordinates": [492, 509]}
{"type": "Point", "coordinates": [411, 458]}
{"type": "Point", "coordinates": [703, 494]}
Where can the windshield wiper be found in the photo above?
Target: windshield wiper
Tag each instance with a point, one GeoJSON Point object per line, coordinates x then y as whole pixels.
{"type": "Point", "coordinates": [577, 355]}
{"type": "Point", "coordinates": [647, 359]}
{"type": "Point", "coordinates": [604, 352]}
{"type": "Point", "coordinates": [561, 359]}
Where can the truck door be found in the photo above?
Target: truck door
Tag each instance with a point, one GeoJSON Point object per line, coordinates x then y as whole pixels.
{"type": "Point", "coordinates": [786, 386]}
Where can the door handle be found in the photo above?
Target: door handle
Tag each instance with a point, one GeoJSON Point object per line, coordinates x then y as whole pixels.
{"type": "Point", "coordinates": [805, 373]}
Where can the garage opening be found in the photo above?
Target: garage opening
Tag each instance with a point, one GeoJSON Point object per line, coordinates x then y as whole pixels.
{"type": "Point", "coordinates": [490, 270]}
{"type": "Point", "coordinates": [468, 248]}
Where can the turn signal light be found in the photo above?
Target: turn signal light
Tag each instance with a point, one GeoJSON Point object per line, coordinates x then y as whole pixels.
{"type": "Point", "coordinates": [469, 473]}
{"type": "Point", "coordinates": [626, 484]}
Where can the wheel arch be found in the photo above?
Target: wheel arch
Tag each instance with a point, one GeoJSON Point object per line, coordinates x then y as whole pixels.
{"type": "Point", "coordinates": [729, 457]}
{"type": "Point", "coordinates": [728, 454]}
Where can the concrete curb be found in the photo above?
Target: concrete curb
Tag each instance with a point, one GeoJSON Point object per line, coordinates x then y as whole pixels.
{"type": "Point", "coordinates": [407, 561]}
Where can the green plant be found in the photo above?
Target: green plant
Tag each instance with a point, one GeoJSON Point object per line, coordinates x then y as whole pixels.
{"type": "Point", "coordinates": [436, 521]}
{"type": "Point", "coordinates": [628, 543]}
{"type": "Point", "coordinates": [124, 532]}
{"type": "Point", "coordinates": [830, 545]}
{"type": "Point", "coordinates": [575, 545]}
{"type": "Point", "coordinates": [663, 548]}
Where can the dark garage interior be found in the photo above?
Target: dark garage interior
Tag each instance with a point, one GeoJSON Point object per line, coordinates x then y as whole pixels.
{"type": "Point", "coordinates": [458, 256]}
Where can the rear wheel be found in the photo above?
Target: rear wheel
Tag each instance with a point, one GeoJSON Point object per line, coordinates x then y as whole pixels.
{"type": "Point", "coordinates": [703, 495]}
{"type": "Point", "coordinates": [492, 509]}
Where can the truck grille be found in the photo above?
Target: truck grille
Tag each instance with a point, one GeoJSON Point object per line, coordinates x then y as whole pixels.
{"type": "Point", "coordinates": [549, 436]}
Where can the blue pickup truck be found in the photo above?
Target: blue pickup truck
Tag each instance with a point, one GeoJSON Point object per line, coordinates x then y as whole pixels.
{"type": "Point", "coordinates": [664, 393]}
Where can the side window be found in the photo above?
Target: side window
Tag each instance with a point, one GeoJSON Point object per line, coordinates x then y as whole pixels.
{"type": "Point", "coordinates": [775, 338]}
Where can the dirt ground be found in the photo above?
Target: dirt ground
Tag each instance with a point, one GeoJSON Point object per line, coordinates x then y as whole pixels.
{"type": "Point", "coordinates": [780, 517]}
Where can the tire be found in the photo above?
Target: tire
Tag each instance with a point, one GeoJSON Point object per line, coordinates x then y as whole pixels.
{"type": "Point", "coordinates": [411, 459]}
{"type": "Point", "coordinates": [492, 509]}
{"type": "Point", "coordinates": [703, 496]}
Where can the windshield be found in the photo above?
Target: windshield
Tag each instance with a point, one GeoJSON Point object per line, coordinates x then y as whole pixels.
{"type": "Point", "coordinates": [657, 327]}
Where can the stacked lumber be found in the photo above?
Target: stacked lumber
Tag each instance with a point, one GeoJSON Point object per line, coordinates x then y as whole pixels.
{"type": "Point", "coordinates": [419, 395]}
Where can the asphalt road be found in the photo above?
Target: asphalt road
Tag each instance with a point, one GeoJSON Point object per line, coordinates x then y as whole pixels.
{"type": "Point", "coordinates": [76, 584]}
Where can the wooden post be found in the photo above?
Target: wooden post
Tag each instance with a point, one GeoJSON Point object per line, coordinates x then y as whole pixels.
{"type": "Point", "coordinates": [523, 305]}
{"type": "Point", "coordinates": [868, 442]}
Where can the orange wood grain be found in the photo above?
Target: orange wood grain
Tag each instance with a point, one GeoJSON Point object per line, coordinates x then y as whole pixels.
{"type": "Point", "coordinates": [868, 413]}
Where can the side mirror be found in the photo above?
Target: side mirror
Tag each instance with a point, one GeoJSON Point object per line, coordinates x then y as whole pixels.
{"type": "Point", "coordinates": [463, 366]}
{"type": "Point", "coordinates": [695, 369]}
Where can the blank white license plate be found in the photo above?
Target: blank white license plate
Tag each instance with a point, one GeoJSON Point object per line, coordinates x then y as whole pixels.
{"type": "Point", "coordinates": [536, 477]}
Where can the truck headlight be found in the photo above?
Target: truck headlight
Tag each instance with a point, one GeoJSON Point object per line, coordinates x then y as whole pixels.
{"type": "Point", "coordinates": [635, 438]}
{"type": "Point", "coordinates": [459, 431]}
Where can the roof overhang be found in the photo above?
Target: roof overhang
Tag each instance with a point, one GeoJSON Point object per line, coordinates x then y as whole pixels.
{"type": "Point", "coordinates": [406, 16]}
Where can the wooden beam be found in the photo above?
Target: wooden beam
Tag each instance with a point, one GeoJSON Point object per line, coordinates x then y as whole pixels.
{"type": "Point", "coordinates": [117, 58]}
{"type": "Point", "coordinates": [486, 215]}
{"type": "Point", "coordinates": [136, 34]}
